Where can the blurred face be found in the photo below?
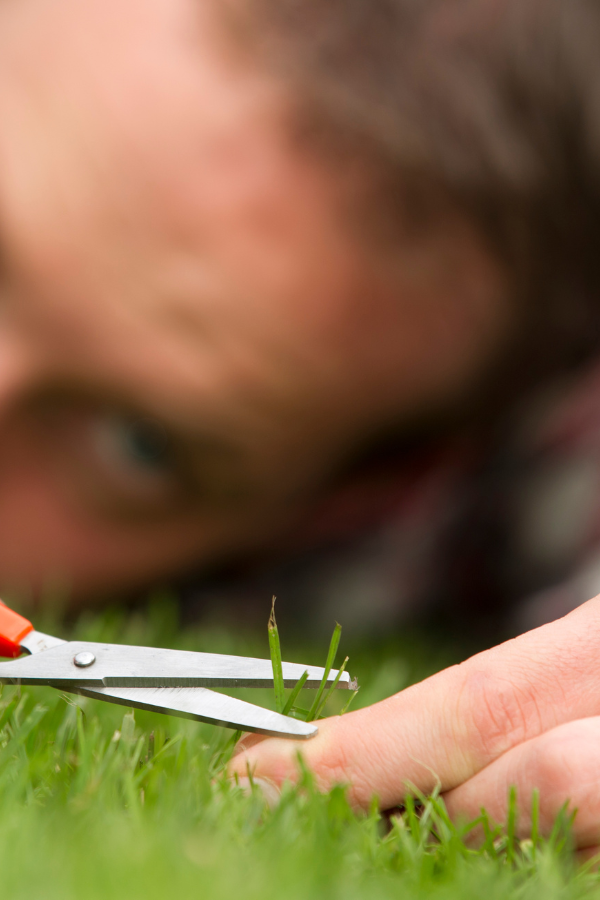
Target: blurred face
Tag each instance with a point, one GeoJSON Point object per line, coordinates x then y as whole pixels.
{"type": "Point", "coordinates": [189, 335]}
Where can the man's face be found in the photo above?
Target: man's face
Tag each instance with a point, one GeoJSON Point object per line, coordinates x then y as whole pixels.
{"type": "Point", "coordinates": [188, 337]}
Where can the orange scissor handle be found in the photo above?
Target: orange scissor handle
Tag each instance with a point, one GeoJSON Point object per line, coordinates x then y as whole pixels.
{"type": "Point", "coordinates": [13, 629]}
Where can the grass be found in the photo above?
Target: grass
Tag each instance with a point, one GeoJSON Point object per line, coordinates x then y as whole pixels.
{"type": "Point", "coordinates": [289, 706]}
{"type": "Point", "coordinates": [98, 803]}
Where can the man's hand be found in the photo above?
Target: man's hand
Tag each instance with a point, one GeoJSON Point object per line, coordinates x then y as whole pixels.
{"type": "Point", "coordinates": [526, 713]}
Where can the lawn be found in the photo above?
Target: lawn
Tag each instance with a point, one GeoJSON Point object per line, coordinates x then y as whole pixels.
{"type": "Point", "coordinates": [100, 803]}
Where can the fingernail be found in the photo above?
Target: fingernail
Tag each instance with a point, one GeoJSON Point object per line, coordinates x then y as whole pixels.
{"type": "Point", "coordinates": [267, 789]}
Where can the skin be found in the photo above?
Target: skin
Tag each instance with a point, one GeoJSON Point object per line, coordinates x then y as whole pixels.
{"type": "Point", "coordinates": [169, 259]}
{"type": "Point", "coordinates": [171, 262]}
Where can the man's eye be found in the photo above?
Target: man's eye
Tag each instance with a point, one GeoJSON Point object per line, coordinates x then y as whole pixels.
{"type": "Point", "coordinates": [123, 464]}
{"type": "Point", "coordinates": [111, 460]}
{"type": "Point", "coordinates": [137, 446]}
{"type": "Point", "coordinates": [139, 443]}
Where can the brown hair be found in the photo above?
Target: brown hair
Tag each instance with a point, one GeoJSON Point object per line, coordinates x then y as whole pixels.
{"type": "Point", "coordinates": [493, 103]}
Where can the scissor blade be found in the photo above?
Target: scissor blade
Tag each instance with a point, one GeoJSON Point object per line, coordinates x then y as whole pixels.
{"type": "Point", "coordinates": [204, 706]}
{"type": "Point", "coordinates": [119, 665]}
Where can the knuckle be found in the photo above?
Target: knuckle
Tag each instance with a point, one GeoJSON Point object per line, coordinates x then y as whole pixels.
{"type": "Point", "coordinates": [497, 712]}
{"type": "Point", "coordinates": [334, 767]}
{"type": "Point", "coordinates": [349, 762]}
{"type": "Point", "coordinates": [564, 759]}
{"type": "Point", "coordinates": [552, 773]}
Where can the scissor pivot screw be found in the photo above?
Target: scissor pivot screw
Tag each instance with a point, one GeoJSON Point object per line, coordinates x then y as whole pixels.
{"type": "Point", "coordinates": [84, 659]}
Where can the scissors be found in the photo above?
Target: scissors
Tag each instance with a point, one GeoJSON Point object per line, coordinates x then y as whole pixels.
{"type": "Point", "coordinates": [175, 682]}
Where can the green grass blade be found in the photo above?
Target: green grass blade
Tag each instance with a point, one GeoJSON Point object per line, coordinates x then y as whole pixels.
{"type": "Point", "coordinates": [275, 650]}
{"type": "Point", "coordinates": [298, 712]}
{"type": "Point", "coordinates": [511, 825]}
{"type": "Point", "coordinates": [294, 693]}
{"type": "Point", "coordinates": [535, 819]}
{"type": "Point", "coordinates": [348, 703]}
{"type": "Point", "coordinates": [333, 648]}
{"type": "Point", "coordinates": [331, 689]}
{"type": "Point", "coordinates": [490, 835]}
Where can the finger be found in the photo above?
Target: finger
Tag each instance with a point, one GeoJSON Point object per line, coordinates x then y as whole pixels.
{"type": "Point", "coordinates": [266, 789]}
{"type": "Point", "coordinates": [589, 854]}
{"type": "Point", "coordinates": [563, 764]}
{"type": "Point", "coordinates": [452, 725]}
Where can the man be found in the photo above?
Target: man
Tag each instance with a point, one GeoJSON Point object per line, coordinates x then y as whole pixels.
{"type": "Point", "coordinates": [240, 242]}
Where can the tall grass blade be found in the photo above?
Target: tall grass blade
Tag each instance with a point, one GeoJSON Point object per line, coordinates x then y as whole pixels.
{"type": "Point", "coordinates": [333, 648]}
{"type": "Point", "coordinates": [294, 693]}
{"type": "Point", "coordinates": [275, 651]}
{"type": "Point", "coordinates": [331, 689]}
{"type": "Point", "coordinates": [535, 820]}
{"type": "Point", "coordinates": [349, 702]}
{"type": "Point", "coordinates": [511, 825]}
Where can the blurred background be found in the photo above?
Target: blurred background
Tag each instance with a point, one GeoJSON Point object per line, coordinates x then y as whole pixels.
{"type": "Point", "coordinates": [307, 306]}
